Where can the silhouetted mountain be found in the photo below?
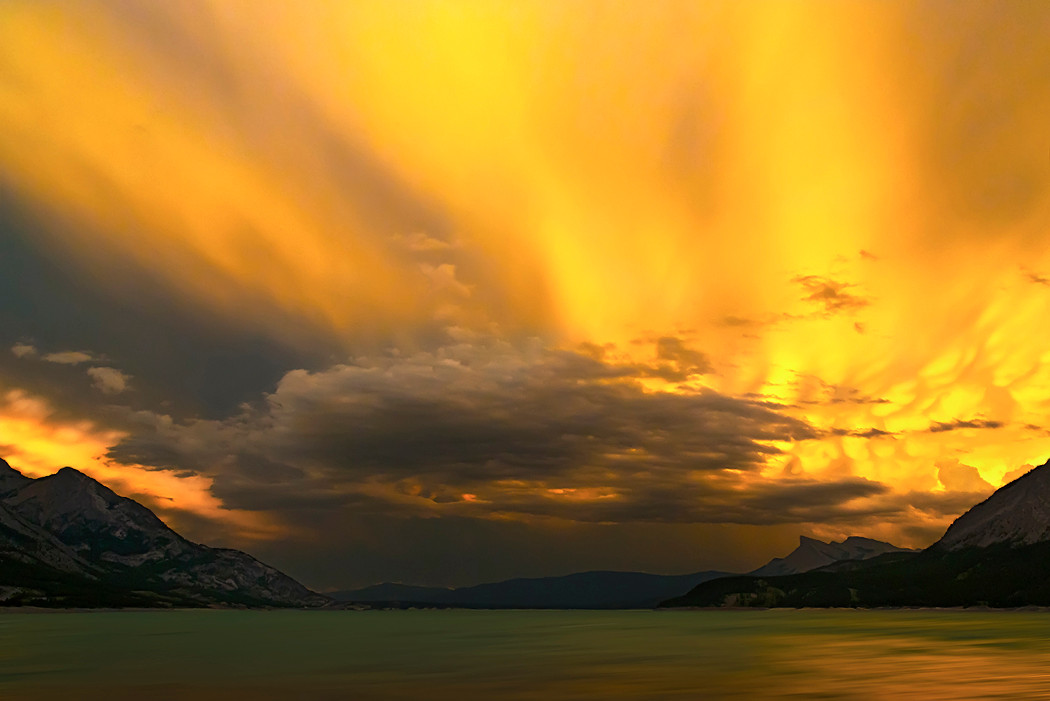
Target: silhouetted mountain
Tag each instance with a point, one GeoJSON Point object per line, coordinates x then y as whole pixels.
{"type": "Point", "coordinates": [66, 539]}
{"type": "Point", "coordinates": [996, 554]}
{"type": "Point", "coordinates": [811, 554]}
{"type": "Point", "coordinates": [10, 478]}
{"type": "Point", "coordinates": [583, 590]}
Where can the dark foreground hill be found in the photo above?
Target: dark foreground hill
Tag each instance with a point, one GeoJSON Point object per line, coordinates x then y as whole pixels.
{"type": "Point", "coordinates": [67, 541]}
{"type": "Point", "coordinates": [996, 554]}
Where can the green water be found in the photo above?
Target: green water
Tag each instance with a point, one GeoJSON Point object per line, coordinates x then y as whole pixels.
{"type": "Point", "coordinates": [544, 655]}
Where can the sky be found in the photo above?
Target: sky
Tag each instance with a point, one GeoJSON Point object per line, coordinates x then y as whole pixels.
{"type": "Point", "coordinates": [451, 292]}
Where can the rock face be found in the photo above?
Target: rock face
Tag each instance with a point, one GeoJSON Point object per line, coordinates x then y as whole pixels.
{"type": "Point", "coordinates": [67, 535]}
{"type": "Point", "coordinates": [811, 554]}
{"type": "Point", "coordinates": [1017, 513]}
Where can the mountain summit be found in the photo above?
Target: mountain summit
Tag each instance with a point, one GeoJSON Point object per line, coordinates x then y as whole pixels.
{"type": "Point", "coordinates": [811, 554]}
{"type": "Point", "coordinates": [68, 540]}
{"type": "Point", "coordinates": [10, 478]}
{"type": "Point", "coordinates": [1017, 513]}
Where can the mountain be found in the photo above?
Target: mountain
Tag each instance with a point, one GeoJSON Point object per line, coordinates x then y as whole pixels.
{"type": "Point", "coordinates": [68, 540]}
{"type": "Point", "coordinates": [10, 478]}
{"type": "Point", "coordinates": [605, 589]}
{"type": "Point", "coordinates": [1017, 513]}
{"type": "Point", "coordinates": [582, 590]}
{"type": "Point", "coordinates": [996, 554]}
{"type": "Point", "coordinates": [811, 554]}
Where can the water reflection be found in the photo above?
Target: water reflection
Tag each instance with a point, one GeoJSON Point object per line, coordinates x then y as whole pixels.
{"type": "Point", "coordinates": [526, 655]}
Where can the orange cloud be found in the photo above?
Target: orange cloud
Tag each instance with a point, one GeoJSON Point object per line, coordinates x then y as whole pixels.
{"type": "Point", "coordinates": [37, 443]}
{"type": "Point", "coordinates": [589, 172]}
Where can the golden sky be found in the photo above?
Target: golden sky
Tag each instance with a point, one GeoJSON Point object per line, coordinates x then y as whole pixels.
{"type": "Point", "coordinates": [786, 246]}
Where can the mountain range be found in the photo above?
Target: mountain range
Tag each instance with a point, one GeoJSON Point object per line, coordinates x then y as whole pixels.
{"type": "Point", "coordinates": [996, 554]}
{"type": "Point", "coordinates": [604, 589]}
{"type": "Point", "coordinates": [67, 540]}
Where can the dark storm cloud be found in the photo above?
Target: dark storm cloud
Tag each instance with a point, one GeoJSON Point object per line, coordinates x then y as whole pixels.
{"type": "Point", "coordinates": [685, 360]}
{"type": "Point", "coordinates": [184, 357]}
{"type": "Point", "coordinates": [664, 498]}
{"type": "Point", "coordinates": [739, 321]}
{"type": "Point", "coordinates": [957, 424]}
{"type": "Point", "coordinates": [862, 433]}
{"type": "Point", "coordinates": [485, 427]}
{"type": "Point", "coordinates": [674, 360]}
{"type": "Point", "coordinates": [833, 296]}
{"type": "Point", "coordinates": [492, 413]}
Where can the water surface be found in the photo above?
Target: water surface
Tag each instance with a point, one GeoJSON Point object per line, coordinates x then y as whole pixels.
{"type": "Point", "coordinates": [549, 655]}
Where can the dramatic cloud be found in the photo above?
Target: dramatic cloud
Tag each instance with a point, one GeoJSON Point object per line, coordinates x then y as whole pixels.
{"type": "Point", "coordinates": [488, 427]}
{"type": "Point", "coordinates": [781, 275]}
{"type": "Point", "coordinates": [862, 433]}
{"type": "Point", "coordinates": [957, 477]}
{"type": "Point", "coordinates": [831, 295]}
{"type": "Point", "coordinates": [957, 424]}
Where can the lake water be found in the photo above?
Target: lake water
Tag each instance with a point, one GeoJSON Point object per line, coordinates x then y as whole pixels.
{"type": "Point", "coordinates": [548, 655]}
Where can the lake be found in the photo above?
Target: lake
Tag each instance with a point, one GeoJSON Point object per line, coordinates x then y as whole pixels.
{"type": "Point", "coordinates": [549, 655]}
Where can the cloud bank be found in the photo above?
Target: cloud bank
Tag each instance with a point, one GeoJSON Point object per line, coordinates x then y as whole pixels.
{"type": "Point", "coordinates": [488, 428]}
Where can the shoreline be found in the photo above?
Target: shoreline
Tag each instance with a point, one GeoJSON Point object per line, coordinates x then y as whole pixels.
{"type": "Point", "coordinates": [34, 610]}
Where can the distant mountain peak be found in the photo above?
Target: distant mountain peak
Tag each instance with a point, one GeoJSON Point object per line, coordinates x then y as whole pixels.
{"type": "Point", "coordinates": [1018, 513]}
{"type": "Point", "coordinates": [961, 569]}
{"type": "Point", "coordinates": [68, 472]}
{"type": "Point", "coordinates": [812, 553]}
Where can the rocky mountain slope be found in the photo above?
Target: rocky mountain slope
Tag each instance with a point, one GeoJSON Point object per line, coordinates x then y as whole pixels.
{"type": "Point", "coordinates": [996, 554]}
{"type": "Point", "coordinates": [811, 554]}
{"type": "Point", "coordinates": [66, 539]}
{"type": "Point", "coordinates": [1017, 513]}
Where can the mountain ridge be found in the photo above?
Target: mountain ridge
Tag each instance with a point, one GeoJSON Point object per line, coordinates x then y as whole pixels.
{"type": "Point", "coordinates": [603, 589]}
{"type": "Point", "coordinates": [68, 535]}
{"type": "Point", "coordinates": [1016, 513]}
{"type": "Point", "coordinates": [812, 554]}
{"type": "Point", "coordinates": [996, 554]}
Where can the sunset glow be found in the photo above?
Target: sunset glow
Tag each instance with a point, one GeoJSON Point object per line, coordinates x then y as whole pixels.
{"type": "Point", "coordinates": [767, 264]}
